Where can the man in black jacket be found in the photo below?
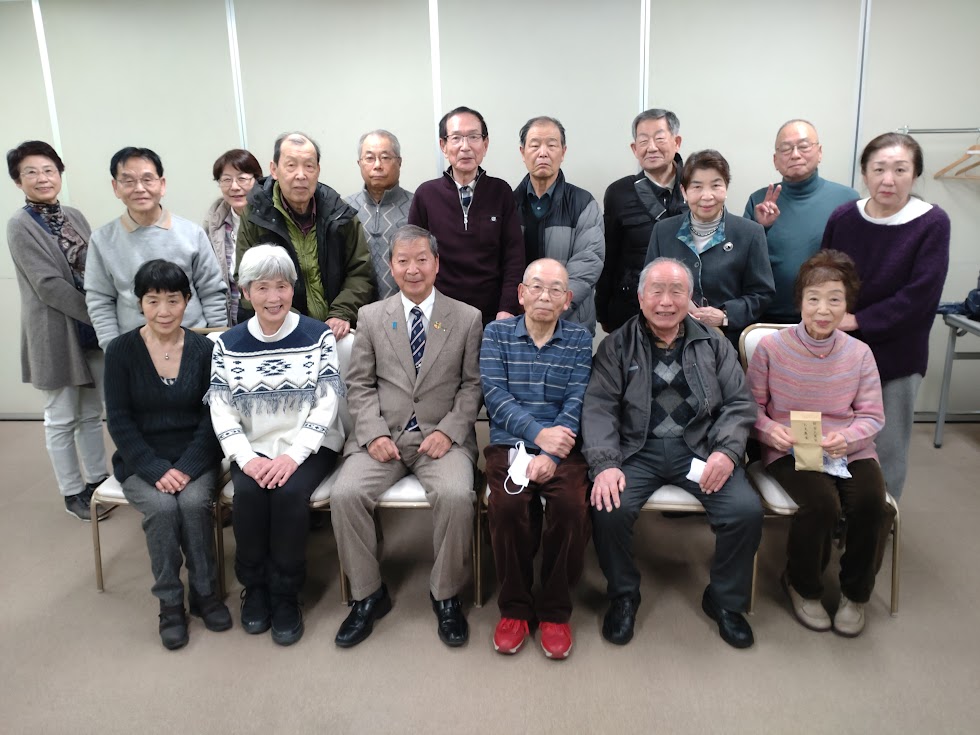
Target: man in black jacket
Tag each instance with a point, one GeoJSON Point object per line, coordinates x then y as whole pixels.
{"type": "Point", "coordinates": [632, 206]}
{"type": "Point", "coordinates": [320, 231]}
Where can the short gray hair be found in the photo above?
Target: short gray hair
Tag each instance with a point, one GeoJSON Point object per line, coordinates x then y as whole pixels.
{"type": "Point", "coordinates": [793, 122]}
{"type": "Point", "coordinates": [542, 120]}
{"type": "Point", "coordinates": [410, 233]}
{"type": "Point", "coordinates": [664, 261]}
{"type": "Point", "coordinates": [294, 136]}
{"type": "Point", "coordinates": [539, 261]}
{"type": "Point", "coordinates": [396, 147]}
{"type": "Point", "coordinates": [673, 124]}
{"type": "Point", "coordinates": [265, 262]}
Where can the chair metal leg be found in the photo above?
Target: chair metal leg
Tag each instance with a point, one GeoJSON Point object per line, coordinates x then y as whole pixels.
{"type": "Point", "coordinates": [944, 391]}
{"type": "Point", "coordinates": [96, 545]}
{"type": "Point", "coordinates": [896, 557]}
{"type": "Point", "coordinates": [478, 555]}
{"type": "Point", "coordinates": [755, 569]}
{"type": "Point", "coordinates": [219, 548]}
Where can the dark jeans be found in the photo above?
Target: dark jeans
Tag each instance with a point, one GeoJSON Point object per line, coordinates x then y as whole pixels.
{"type": "Point", "coordinates": [821, 499]}
{"type": "Point", "coordinates": [734, 512]}
{"type": "Point", "coordinates": [271, 526]}
{"type": "Point", "coordinates": [516, 531]}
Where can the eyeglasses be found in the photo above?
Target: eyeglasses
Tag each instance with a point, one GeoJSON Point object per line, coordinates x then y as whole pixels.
{"type": "Point", "coordinates": [129, 184]}
{"type": "Point", "coordinates": [471, 138]}
{"type": "Point", "coordinates": [804, 146]}
{"type": "Point", "coordinates": [32, 173]}
{"type": "Point", "coordinates": [536, 289]}
{"type": "Point", "coordinates": [658, 139]}
{"type": "Point", "coordinates": [370, 159]}
{"type": "Point", "coordinates": [242, 180]}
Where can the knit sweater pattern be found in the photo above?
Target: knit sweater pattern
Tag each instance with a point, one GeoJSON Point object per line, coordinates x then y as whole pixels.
{"type": "Point", "coordinates": [843, 387]}
{"type": "Point", "coordinates": [902, 270]}
{"type": "Point", "coordinates": [276, 397]}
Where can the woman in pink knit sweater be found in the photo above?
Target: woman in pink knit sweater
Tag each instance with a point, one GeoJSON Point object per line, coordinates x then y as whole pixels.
{"type": "Point", "coordinates": [814, 366]}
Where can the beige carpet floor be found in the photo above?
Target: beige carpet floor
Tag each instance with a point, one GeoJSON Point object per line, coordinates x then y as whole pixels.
{"type": "Point", "coordinates": [73, 660]}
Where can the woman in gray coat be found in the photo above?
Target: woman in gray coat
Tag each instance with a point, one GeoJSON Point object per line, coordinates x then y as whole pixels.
{"type": "Point", "coordinates": [59, 353]}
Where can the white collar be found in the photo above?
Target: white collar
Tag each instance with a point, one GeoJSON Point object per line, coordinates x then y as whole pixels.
{"type": "Point", "coordinates": [425, 306]}
{"type": "Point", "coordinates": [913, 208]}
{"type": "Point", "coordinates": [288, 325]}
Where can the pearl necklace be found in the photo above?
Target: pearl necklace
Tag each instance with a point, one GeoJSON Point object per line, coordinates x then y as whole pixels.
{"type": "Point", "coordinates": [710, 228]}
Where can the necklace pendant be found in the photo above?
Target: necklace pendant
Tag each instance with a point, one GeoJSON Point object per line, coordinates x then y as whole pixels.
{"type": "Point", "coordinates": [166, 355]}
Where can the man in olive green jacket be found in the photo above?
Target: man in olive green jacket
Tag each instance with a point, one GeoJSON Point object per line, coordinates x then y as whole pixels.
{"type": "Point", "coordinates": [321, 233]}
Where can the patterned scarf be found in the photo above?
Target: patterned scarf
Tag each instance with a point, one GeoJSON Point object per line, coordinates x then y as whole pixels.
{"type": "Point", "coordinates": [72, 244]}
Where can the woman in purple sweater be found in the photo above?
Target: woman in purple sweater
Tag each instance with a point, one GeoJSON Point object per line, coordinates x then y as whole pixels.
{"type": "Point", "coordinates": [816, 367]}
{"type": "Point", "coordinates": [900, 245]}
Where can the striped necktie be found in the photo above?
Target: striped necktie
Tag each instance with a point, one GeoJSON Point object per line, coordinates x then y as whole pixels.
{"type": "Point", "coordinates": [417, 341]}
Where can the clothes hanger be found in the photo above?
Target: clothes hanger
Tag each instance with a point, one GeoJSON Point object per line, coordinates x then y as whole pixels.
{"type": "Point", "coordinates": [973, 150]}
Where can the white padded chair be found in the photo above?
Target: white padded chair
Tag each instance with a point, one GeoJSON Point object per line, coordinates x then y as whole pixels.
{"type": "Point", "coordinates": [110, 493]}
{"type": "Point", "coordinates": [667, 498]}
{"type": "Point", "coordinates": [775, 499]}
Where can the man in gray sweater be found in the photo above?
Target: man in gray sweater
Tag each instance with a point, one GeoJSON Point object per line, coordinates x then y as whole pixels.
{"type": "Point", "coordinates": [146, 231]}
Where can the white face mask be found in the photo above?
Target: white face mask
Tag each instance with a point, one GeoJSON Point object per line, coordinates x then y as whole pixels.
{"type": "Point", "coordinates": [517, 472]}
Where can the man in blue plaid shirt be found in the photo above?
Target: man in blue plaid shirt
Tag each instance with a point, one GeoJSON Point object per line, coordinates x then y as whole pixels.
{"type": "Point", "coordinates": [535, 369]}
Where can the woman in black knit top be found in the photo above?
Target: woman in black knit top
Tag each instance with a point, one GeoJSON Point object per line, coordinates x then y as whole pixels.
{"type": "Point", "coordinates": [166, 453]}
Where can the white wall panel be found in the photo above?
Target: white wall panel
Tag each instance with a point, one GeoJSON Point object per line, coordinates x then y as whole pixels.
{"type": "Point", "coordinates": [336, 70]}
{"type": "Point", "coordinates": [515, 59]}
{"type": "Point", "coordinates": [25, 117]}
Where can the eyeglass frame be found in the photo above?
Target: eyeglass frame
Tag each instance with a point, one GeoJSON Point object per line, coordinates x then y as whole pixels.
{"type": "Point", "coordinates": [456, 139]}
{"type": "Point", "coordinates": [148, 182]}
{"type": "Point", "coordinates": [536, 290]}
{"type": "Point", "coordinates": [248, 178]}
{"type": "Point", "coordinates": [370, 159]}
{"type": "Point", "coordinates": [786, 149]}
{"type": "Point", "coordinates": [32, 174]}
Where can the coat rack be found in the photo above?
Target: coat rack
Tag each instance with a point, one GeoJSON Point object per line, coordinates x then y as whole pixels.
{"type": "Point", "coordinates": [971, 157]}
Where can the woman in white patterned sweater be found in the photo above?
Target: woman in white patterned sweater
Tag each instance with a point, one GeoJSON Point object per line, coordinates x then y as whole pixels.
{"type": "Point", "coordinates": [274, 397]}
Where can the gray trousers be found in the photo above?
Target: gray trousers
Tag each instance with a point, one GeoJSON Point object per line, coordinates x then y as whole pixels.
{"type": "Point", "coordinates": [174, 523]}
{"type": "Point", "coordinates": [448, 483]}
{"type": "Point", "coordinates": [898, 398]}
{"type": "Point", "coordinates": [734, 512]}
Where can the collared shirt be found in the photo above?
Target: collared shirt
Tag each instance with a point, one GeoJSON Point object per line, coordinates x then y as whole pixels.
{"type": "Point", "coordinates": [663, 345]}
{"type": "Point", "coordinates": [304, 222]}
{"type": "Point", "coordinates": [164, 221]}
{"type": "Point", "coordinates": [540, 206]}
{"type": "Point", "coordinates": [528, 388]}
{"type": "Point", "coordinates": [425, 306]}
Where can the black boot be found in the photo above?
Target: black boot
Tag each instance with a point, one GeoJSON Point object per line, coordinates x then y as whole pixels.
{"type": "Point", "coordinates": [287, 619]}
{"type": "Point", "coordinates": [173, 626]}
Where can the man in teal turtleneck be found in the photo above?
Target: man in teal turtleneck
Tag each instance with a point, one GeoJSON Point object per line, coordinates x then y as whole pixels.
{"type": "Point", "coordinates": [794, 212]}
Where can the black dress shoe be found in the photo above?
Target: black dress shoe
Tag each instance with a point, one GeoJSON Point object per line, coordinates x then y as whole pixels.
{"type": "Point", "coordinates": [287, 620]}
{"type": "Point", "coordinates": [173, 627]}
{"type": "Point", "coordinates": [256, 610]}
{"type": "Point", "coordinates": [617, 626]}
{"type": "Point", "coordinates": [360, 621]}
{"type": "Point", "coordinates": [732, 626]}
{"type": "Point", "coordinates": [454, 631]}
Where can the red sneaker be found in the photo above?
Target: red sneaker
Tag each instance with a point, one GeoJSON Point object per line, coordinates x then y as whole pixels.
{"type": "Point", "coordinates": [556, 640]}
{"type": "Point", "coordinates": [510, 635]}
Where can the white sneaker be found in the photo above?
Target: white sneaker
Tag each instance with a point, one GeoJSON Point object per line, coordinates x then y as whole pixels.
{"type": "Point", "coordinates": [810, 613]}
{"type": "Point", "coordinates": [849, 620]}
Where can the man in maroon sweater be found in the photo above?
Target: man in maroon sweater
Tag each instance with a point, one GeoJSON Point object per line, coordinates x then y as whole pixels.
{"type": "Point", "coordinates": [472, 215]}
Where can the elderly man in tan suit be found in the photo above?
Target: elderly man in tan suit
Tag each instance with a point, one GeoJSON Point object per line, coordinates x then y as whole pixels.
{"type": "Point", "coordinates": [414, 394]}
